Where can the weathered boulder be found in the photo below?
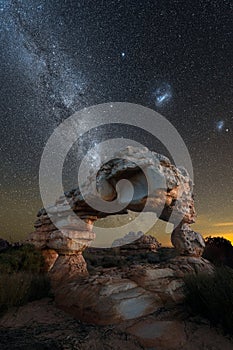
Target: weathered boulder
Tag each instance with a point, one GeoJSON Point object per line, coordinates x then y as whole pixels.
{"type": "Point", "coordinates": [186, 241]}
{"type": "Point", "coordinates": [106, 299]}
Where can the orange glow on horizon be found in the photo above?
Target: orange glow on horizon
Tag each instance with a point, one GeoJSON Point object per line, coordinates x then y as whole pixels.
{"type": "Point", "coordinates": [223, 224]}
{"type": "Point", "coordinates": [227, 235]}
{"type": "Point", "coordinates": [218, 228]}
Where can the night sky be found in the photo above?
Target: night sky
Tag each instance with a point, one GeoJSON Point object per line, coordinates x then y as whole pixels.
{"type": "Point", "coordinates": [58, 57]}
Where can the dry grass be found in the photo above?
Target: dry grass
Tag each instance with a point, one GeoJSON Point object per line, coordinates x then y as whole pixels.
{"type": "Point", "coordinates": [21, 287]}
{"type": "Point", "coordinates": [21, 277]}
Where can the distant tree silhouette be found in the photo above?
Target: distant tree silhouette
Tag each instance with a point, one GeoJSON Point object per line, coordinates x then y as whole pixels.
{"type": "Point", "coordinates": [219, 251]}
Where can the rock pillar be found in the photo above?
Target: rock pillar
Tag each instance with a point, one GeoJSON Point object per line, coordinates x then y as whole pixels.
{"type": "Point", "coordinates": [62, 250]}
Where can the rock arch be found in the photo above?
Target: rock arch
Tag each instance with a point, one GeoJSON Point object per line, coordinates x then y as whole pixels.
{"type": "Point", "coordinates": [170, 195]}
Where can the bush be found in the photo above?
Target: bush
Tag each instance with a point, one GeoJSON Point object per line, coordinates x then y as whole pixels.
{"type": "Point", "coordinates": [22, 258]}
{"type": "Point", "coordinates": [19, 288]}
{"type": "Point", "coordinates": [211, 296]}
{"type": "Point", "coordinates": [21, 279]}
{"type": "Point", "coordinates": [219, 251]}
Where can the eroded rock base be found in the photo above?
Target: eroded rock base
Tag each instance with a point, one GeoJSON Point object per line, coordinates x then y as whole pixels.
{"type": "Point", "coordinates": [67, 267]}
{"type": "Point", "coordinates": [117, 294]}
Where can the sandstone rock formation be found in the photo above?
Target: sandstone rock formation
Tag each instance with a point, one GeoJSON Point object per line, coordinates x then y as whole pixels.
{"type": "Point", "coordinates": [137, 242]}
{"type": "Point", "coordinates": [186, 241]}
{"type": "Point", "coordinates": [62, 251]}
{"type": "Point", "coordinates": [126, 291]}
{"type": "Point", "coordinates": [128, 238]}
{"type": "Point", "coordinates": [158, 186]}
{"type": "Point", "coordinates": [118, 294]}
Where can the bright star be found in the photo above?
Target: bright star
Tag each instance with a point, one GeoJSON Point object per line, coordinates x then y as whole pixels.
{"type": "Point", "coordinates": [123, 54]}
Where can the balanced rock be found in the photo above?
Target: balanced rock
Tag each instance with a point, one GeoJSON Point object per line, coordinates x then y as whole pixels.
{"type": "Point", "coordinates": [186, 241]}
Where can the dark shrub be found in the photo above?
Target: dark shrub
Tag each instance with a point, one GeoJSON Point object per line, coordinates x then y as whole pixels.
{"type": "Point", "coordinates": [40, 287]}
{"type": "Point", "coordinates": [112, 261]}
{"type": "Point", "coordinates": [211, 296]}
{"type": "Point", "coordinates": [18, 288]}
{"type": "Point", "coordinates": [219, 251]}
{"type": "Point", "coordinates": [22, 258]}
{"type": "Point", "coordinates": [21, 279]}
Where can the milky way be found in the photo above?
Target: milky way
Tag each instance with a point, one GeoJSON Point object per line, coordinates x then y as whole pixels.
{"type": "Point", "coordinates": [39, 56]}
{"type": "Point", "coordinates": [61, 56]}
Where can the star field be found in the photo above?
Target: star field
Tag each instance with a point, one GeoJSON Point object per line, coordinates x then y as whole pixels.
{"type": "Point", "coordinates": [61, 56]}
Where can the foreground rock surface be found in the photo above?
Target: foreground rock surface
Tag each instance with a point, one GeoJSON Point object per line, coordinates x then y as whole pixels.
{"type": "Point", "coordinates": [40, 325]}
{"type": "Point", "coordinates": [117, 294]}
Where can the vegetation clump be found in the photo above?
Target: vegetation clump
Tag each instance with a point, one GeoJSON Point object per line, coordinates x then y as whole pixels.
{"type": "Point", "coordinates": [21, 258]}
{"type": "Point", "coordinates": [21, 276]}
{"type": "Point", "coordinates": [211, 296]}
{"type": "Point", "coordinates": [219, 251]}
